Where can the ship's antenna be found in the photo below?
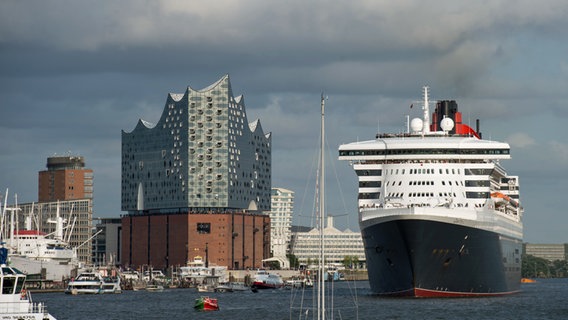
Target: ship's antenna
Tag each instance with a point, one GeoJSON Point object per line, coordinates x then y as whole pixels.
{"type": "Point", "coordinates": [426, 108]}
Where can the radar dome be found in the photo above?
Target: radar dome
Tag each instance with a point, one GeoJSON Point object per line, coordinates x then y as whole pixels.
{"type": "Point", "coordinates": [416, 125]}
{"type": "Point", "coordinates": [447, 124]}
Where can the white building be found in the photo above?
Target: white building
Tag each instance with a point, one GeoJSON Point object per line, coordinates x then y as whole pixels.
{"type": "Point", "coordinates": [338, 245]}
{"type": "Point", "coordinates": [282, 203]}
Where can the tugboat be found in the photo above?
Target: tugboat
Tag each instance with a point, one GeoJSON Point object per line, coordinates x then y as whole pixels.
{"type": "Point", "coordinates": [15, 301]}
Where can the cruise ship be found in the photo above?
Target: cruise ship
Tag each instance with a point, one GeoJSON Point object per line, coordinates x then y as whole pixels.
{"type": "Point", "coordinates": [439, 215]}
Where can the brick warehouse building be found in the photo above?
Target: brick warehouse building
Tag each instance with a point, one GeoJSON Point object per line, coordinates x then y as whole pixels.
{"type": "Point", "coordinates": [197, 183]}
{"type": "Point", "coordinates": [165, 240]}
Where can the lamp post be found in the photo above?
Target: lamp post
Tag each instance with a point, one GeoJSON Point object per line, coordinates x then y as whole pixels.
{"type": "Point", "coordinates": [186, 253]}
{"type": "Point", "coordinates": [206, 255]}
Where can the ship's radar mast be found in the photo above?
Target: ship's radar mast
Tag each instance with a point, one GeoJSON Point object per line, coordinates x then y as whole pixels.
{"type": "Point", "coordinates": [426, 108]}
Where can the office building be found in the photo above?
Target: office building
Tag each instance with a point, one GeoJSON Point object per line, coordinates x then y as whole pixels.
{"type": "Point", "coordinates": [106, 242]}
{"type": "Point", "coordinates": [550, 252]}
{"type": "Point", "coordinates": [66, 178]}
{"type": "Point", "coordinates": [198, 178]}
{"type": "Point", "coordinates": [338, 245]}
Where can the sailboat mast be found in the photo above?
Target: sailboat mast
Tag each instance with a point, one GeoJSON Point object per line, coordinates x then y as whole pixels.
{"type": "Point", "coordinates": [321, 296]}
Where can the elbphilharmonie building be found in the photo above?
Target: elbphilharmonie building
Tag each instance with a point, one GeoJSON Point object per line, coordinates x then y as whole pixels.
{"type": "Point", "coordinates": [198, 182]}
{"type": "Point", "coordinates": [203, 155]}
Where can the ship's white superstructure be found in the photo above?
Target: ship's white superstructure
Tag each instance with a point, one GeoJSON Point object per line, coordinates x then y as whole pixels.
{"type": "Point", "coordinates": [35, 252]}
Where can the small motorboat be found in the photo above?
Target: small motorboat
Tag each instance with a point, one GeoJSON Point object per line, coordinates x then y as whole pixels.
{"type": "Point", "coordinates": [154, 288]}
{"type": "Point", "coordinates": [205, 303]}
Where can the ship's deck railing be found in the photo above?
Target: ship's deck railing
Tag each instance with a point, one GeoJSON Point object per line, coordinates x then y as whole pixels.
{"type": "Point", "coordinates": [391, 161]}
{"type": "Point", "coordinates": [479, 213]}
{"type": "Point", "coordinates": [23, 306]}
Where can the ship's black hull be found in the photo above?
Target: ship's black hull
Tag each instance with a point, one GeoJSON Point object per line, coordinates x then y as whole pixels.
{"type": "Point", "coordinates": [427, 258]}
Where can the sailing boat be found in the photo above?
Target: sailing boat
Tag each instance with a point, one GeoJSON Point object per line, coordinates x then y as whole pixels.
{"type": "Point", "coordinates": [324, 309]}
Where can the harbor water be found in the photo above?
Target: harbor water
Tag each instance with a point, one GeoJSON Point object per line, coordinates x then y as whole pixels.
{"type": "Point", "coordinates": [545, 299]}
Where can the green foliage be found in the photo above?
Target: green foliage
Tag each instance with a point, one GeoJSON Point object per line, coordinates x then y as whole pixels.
{"type": "Point", "coordinates": [294, 262]}
{"type": "Point", "coordinates": [273, 265]}
{"type": "Point", "coordinates": [350, 262]}
{"type": "Point", "coordinates": [534, 267]}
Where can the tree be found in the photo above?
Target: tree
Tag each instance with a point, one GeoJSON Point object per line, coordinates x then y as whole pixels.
{"type": "Point", "coordinates": [534, 267]}
{"type": "Point", "coordinates": [347, 262]}
{"type": "Point", "coordinates": [350, 262]}
{"type": "Point", "coordinates": [559, 268]}
{"type": "Point", "coordinates": [273, 265]}
{"type": "Point", "coordinates": [356, 262]}
{"type": "Point", "coordinates": [294, 262]}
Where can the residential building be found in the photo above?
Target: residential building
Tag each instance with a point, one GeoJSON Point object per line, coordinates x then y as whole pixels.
{"type": "Point", "coordinates": [200, 177]}
{"type": "Point", "coordinates": [280, 225]}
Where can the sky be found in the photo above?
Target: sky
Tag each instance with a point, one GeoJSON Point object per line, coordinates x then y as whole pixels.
{"type": "Point", "coordinates": [73, 74]}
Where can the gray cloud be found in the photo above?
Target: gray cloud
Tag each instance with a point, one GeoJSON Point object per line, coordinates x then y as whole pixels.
{"type": "Point", "coordinates": [74, 74]}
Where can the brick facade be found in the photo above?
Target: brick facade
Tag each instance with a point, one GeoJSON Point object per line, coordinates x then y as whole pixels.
{"type": "Point", "coordinates": [235, 240]}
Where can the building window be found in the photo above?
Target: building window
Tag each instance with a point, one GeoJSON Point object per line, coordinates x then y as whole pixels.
{"type": "Point", "coordinates": [203, 227]}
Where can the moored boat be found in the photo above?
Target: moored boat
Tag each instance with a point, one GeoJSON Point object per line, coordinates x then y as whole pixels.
{"type": "Point", "coordinates": [208, 284]}
{"type": "Point", "coordinates": [93, 283]}
{"type": "Point", "coordinates": [15, 301]}
{"type": "Point", "coordinates": [205, 303]}
{"type": "Point", "coordinates": [196, 272]}
{"type": "Point", "coordinates": [35, 252]}
{"type": "Point", "coordinates": [266, 280]}
{"type": "Point", "coordinates": [231, 287]}
{"type": "Point", "coordinates": [439, 215]}
{"type": "Point", "coordinates": [154, 288]}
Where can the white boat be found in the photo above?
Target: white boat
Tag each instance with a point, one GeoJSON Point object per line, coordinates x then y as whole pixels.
{"type": "Point", "coordinates": [15, 301]}
{"type": "Point", "coordinates": [33, 251]}
{"type": "Point", "coordinates": [298, 282]}
{"type": "Point", "coordinates": [265, 280]}
{"type": "Point", "coordinates": [93, 283]}
{"type": "Point", "coordinates": [231, 287]}
{"type": "Point", "coordinates": [154, 288]}
{"type": "Point", "coordinates": [208, 284]}
{"type": "Point", "coordinates": [154, 275]}
{"type": "Point", "coordinates": [195, 272]}
{"type": "Point", "coordinates": [130, 275]}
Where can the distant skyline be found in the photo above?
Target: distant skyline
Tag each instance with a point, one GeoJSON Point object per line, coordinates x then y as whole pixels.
{"type": "Point", "coordinates": [74, 74]}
